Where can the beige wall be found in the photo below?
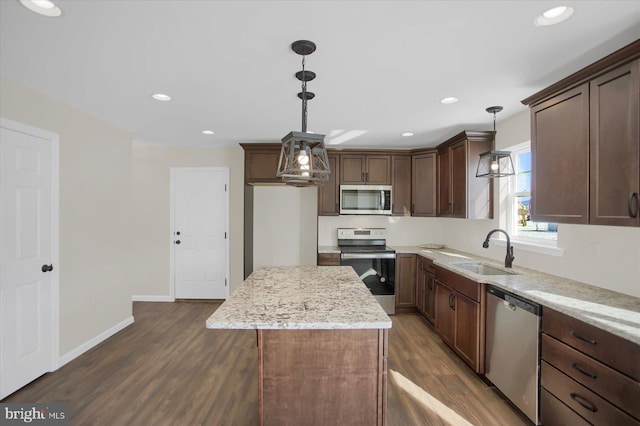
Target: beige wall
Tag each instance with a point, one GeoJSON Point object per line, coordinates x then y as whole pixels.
{"type": "Point", "coordinates": [284, 226]}
{"type": "Point", "coordinates": [150, 211]}
{"type": "Point", "coordinates": [95, 216]}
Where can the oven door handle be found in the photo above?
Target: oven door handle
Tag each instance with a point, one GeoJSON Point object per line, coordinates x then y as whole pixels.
{"type": "Point", "coordinates": [347, 256]}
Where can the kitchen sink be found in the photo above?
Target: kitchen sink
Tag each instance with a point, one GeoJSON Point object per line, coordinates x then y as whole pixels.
{"type": "Point", "coordinates": [484, 269]}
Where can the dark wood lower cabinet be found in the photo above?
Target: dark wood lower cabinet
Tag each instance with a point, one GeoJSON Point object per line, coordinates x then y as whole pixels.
{"type": "Point", "coordinates": [588, 373]}
{"type": "Point", "coordinates": [426, 289]}
{"type": "Point", "coordinates": [319, 377]}
{"type": "Point", "coordinates": [328, 259]}
{"type": "Point", "coordinates": [430, 298]}
{"type": "Point", "coordinates": [445, 318]}
{"type": "Point", "coordinates": [460, 320]}
{"type": "Point", "coordinates": [405, 282]}
{"type": "Point", "coordinates": [467, 314]}
{"type": "Point", "coordinates": [554, 412]}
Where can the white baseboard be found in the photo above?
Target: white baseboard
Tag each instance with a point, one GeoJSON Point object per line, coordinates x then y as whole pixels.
{"type": "Point", "coordinates": [149, 298]}
{"type": "Point", "coordinates": [74, 353]}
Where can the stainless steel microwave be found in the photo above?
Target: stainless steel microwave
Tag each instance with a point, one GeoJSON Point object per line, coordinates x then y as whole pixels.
{"type": "Point", "coordinates": [365, 199]}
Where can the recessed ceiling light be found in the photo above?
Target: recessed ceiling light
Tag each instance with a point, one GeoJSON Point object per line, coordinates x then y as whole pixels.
{"type": "Point", "coordinates": [449, 100]}
{"type": "Point", "coordinates": [553, 16]}
{"type": "Point", "coordinates": [42, 7]}
{"type": "Point", "coordinates": [161, 97]}
{"type": "Point", "coordinates": [407, 134]}
{"type": "Point", "coordinates": [208, 132]}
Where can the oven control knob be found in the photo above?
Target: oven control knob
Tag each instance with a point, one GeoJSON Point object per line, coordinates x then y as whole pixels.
{"type": "Point", "coordinates": [383, 279]}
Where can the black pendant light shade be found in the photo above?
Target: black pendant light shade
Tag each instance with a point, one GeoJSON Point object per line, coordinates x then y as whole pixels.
{"type": "Point", "coordinates": [303, 156]}
{"type": "Point", "coordinates": [493, 164]}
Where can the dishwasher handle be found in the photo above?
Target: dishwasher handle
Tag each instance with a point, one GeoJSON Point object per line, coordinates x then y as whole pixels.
{"type": "Point", "coordinates": [514, 300]}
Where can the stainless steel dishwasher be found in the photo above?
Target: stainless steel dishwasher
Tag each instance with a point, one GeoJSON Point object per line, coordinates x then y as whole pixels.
{"type": "Point", "coordinates": [512, 349]}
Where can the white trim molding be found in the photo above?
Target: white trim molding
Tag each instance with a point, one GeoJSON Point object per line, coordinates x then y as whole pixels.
{"type": "Point", "coordinates": [89, 344]}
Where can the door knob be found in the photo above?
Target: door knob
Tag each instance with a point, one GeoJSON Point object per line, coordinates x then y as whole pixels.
{"type": "Point", "coordinates": [47, 268]}
{"type": "Point", "coordinates": [177, 241]}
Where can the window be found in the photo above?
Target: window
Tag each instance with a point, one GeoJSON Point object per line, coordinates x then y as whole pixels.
{"type": "Point", "coordinates": [519, 222]}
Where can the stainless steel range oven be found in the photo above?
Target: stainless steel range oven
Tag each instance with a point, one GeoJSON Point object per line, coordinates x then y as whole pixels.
{"type": "Point", "coordinates": [365, 249]}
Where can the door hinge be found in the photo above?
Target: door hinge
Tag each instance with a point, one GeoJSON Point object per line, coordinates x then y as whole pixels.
{"type": "Point", "coordinates": [225, 282]}
{"type": "Point", "coordinates": [225, 187]}
{"type": "Point", "coordinates": [225, 235]}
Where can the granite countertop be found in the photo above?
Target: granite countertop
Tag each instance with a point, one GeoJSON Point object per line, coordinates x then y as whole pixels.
{"type": "Point", "coordinates": [301, 297]}
{"type": "Point", "coordinates": [614, 312]}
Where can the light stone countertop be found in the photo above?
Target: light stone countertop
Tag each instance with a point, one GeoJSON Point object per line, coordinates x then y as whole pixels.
{"type": "Point", "coordinates": [614, 312]}
{"type": "Point", "coordinates": [301, 297]}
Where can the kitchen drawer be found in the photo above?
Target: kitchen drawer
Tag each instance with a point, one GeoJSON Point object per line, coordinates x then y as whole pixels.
{"type": "Point", "coordinates": [606, 382]}
{"type": "Point", "coordinates": [581, 400]}
{"type": "Point", "coordinates": [461, 284]}
{"type": "Point", "coordinates": [428, 265]}
{"type": "Point", "coordinates": [611, 350]}
{"type": "Point", "coordinates": [328, 259]}
{"type": "Point", "coordinates": [554, 413]}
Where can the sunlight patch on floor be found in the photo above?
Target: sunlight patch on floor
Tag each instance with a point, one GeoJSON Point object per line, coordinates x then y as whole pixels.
{"type": "Point", "coordinates": [445, 413]}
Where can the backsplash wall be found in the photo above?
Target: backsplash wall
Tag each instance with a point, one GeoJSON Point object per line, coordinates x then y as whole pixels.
{"type": "Point", "coordinates": [401, 231]}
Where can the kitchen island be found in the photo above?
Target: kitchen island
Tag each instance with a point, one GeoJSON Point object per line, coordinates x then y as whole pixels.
{"type": "Point", "coordinates": [322, 344]}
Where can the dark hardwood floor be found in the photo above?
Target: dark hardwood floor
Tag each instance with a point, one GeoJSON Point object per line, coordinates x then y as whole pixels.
{"type": "Point", "coordinates": [168, 369]}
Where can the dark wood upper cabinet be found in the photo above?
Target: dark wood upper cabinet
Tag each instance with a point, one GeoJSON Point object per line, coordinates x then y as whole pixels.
{"type": "Point", "coordinates": [560, 158]}
{"type": "Point", "coordinates": [460, 192]}
{"type": "Point", "coordinates": [401, 182]}
{"type": "Point", "coordinates": [444, 182]}
{"type": "Point", "coordinates": [364, 169]}
{"type": "Point", "coordinates": [585, 144]}
{"type": "Point", "coordinates": [261, 163]}
{"type": "Point", "coordinates": [423, 187]}
{"type": "Point", "coordinates": [329, 193]}
{"type": "Point", "coordinates": [615, 147]}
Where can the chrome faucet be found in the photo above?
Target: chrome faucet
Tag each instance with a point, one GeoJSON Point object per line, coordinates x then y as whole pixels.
{"type": "Point", "coordinates": [508, 261]}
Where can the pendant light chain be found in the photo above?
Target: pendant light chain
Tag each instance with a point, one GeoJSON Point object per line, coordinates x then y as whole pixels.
{"type": "Point", "coordinates": [304, 98]}
{"type": "Point", "coordinates": [494, 131]}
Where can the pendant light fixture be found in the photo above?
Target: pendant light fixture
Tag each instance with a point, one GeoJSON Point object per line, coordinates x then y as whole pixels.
{"type": "Point", "coordinates": [494, 163]}
{"type": "Point", "coordinates": [303, 156]}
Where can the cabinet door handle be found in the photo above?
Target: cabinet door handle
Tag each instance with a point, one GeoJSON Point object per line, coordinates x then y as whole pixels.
{"type": "Point", "coordinates": [584, 402]}
{"type": "Point", "coordinates": [584, 339]}
{"type": "Point", "coordinates": [364, 177]}
{"type": "Point", "coordinates": [413, 208]}
{"type": "Point", "coordinates": [586, 373]}
{"type": "Point", "coordinates": [632, 196]}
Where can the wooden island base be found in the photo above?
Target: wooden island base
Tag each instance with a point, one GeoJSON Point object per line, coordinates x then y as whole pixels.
{"type": "Point", "coordinates": [319, 377]}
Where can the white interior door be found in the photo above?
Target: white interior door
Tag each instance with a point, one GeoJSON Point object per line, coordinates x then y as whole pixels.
{"type": "Point", "coordinates": [28, 275]}
{"type": "Point", "coordinates": [200, 232]}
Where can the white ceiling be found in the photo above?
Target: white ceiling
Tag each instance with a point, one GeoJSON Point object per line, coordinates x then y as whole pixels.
{"type": "Point", "coordinates": [382, 66]}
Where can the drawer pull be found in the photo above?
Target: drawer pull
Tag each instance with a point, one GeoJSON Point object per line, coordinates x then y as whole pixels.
{"type": "Point", "coordinates": [586, 373]}
{"type": "Point", "coordinates": [584, 339]}
{"type": "Point", "coordinates": [584, 402]}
